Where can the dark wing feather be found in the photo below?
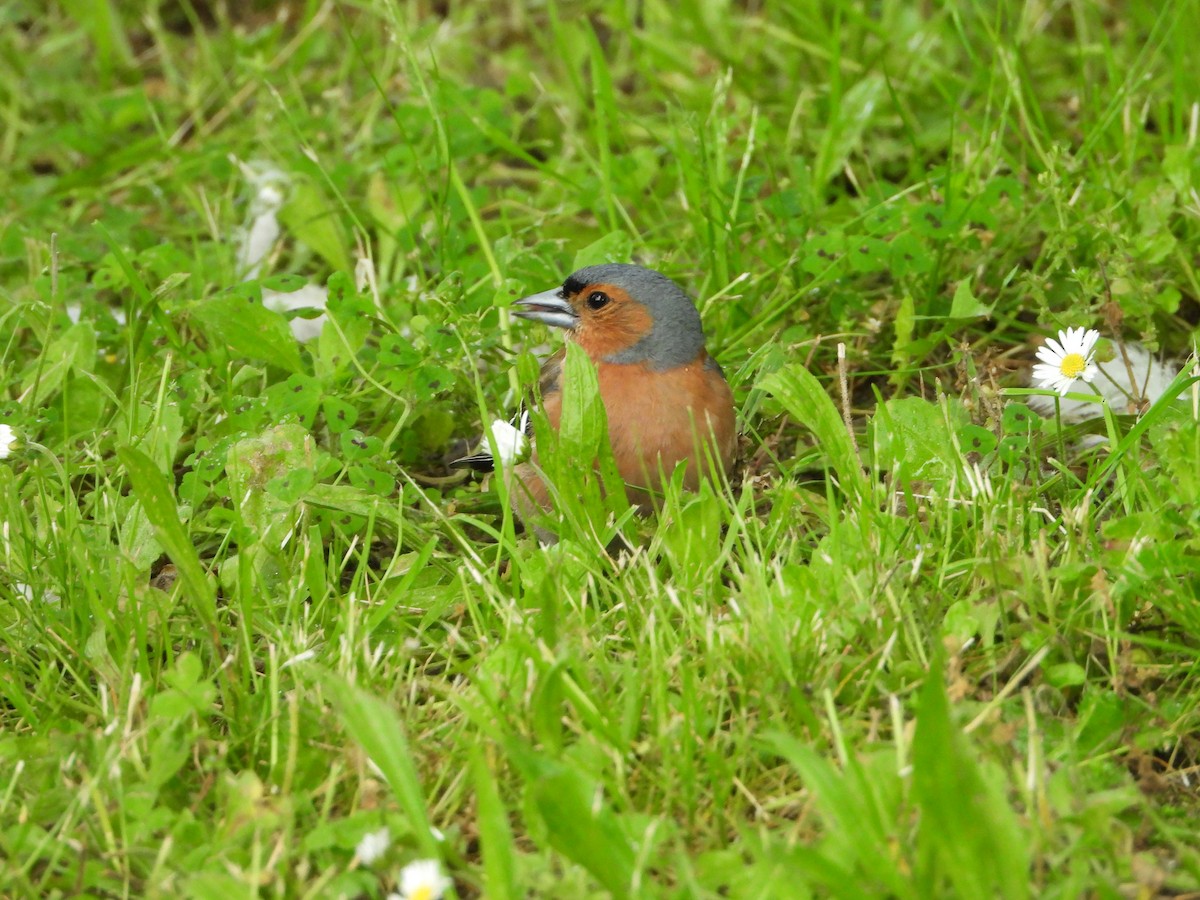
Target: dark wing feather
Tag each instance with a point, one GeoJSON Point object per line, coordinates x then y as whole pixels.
{"type": "Point", "coordinates": [482, 460]}
{"type": "Point", "coordinates": [550, 374]}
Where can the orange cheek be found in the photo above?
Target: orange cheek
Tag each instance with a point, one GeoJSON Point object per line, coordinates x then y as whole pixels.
{"type": "Point", "coordinates": [613, 329]}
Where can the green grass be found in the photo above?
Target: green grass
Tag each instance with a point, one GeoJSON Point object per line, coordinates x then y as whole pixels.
{"type": "Point", "coordinates": [248, 615]}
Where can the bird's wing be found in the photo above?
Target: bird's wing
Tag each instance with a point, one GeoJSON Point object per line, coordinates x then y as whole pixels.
{"type": "Point", "coordinates": [482, 460]}
{"type": "Point", "coordinates": [551, 373]}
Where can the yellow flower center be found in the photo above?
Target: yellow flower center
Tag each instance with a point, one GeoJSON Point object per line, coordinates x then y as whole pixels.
{"type": "Point", "coordinates": [1072, 365]}
{"type": "Point", "coordinates": [424, 892]}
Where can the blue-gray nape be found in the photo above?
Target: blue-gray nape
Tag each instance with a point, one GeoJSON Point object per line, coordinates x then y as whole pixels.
{"type": "Point", "coordinates": [676, 337]}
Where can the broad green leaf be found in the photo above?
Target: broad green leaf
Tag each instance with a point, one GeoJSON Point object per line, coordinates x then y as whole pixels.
{"type": "Point", "coordinates": [74, 349]}
{"type": "Point", "coordinates": [976, 439]}
{"type": "Point", "coordinates": [394, 205]}
{"type": "Point", "coordinates": [345, 333]}
{"type": "Point", "coordinates": [315, 221]}
{"type": "Point", "coordinates": [583, 423]}
{"type": "Point", "coordinates": [299, 396]}
{"type": "Point", "coordinates": [248, 329]}
{"type": "Point", "coordinates": [578, 822]}
{"type": "Point", "coordinates": [290, 487]}
{"type": "Point", "coordinates": [354, 501]}
{"type": "Point", "coordinates": [376, 728]}
{"type": "Point", "coordinates": [284, 283]}
{"type": "Point", "coordinates": [339, 415]}
{"type": "Point", "coordinates": [1103, 717]}
{"type": "Point", "coordinates": [211, 884]}
{"type": "Point", "coordinates": [254, 464]}
{"type": "Point", "coordinates": [692, 531]}
{"type": "Point", "coordinates": [852, 113]}
{"type": "Point", "coordinates": [856, 860]}
{"type": "Point", "coordinates": [912, 438]}
{"type": "Point", "coordinates": [371, 479]}
{"type": "Point", "coordinates": [138, 540]}
{"type": "Point", "coordinates": [806, 401]}
{"type": "Point", "coordinates": [966, 305]}
{"type": "Point", "coordinates": [151, 489]}
{"type": "Point", "coordinates": [968, 834]}
{"type": "Point", "coordinates": [495, 835]}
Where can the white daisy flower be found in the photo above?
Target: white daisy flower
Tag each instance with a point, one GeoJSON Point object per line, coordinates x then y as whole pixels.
{"type": "Point", "coordinates": [422, 880]}
{"type": "Point", "coordinates": [8, 437]}
{"type": "Point", "coordinates": [510, 442]}
{"type": "Point", "coordinates": [1067, 359]}
{"type": "Point", "coordinates": [1129, 382]}
{"type": "Point", "coordinates": [373, 845]}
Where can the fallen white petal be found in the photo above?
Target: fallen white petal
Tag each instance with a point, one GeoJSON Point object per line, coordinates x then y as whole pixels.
{"type": "Point", "coordinates": [311, 296]}
{"type": "Point", "coordinates": [373, 845]}
{"type": "Point", "coordinates": [269, 185]}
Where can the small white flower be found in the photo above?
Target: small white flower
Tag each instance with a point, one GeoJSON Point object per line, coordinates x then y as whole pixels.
{"type": "Point", "coordinates": [1129, 382]}
{"type": "Point", "coordinates": [422, 880]}
{"type": "Point", "coordinates": [1065, 360]}
{"type": "Point", "coordinates": [8, 437]}
{"type": "Point", "coordinates": [510, 443]}
{"type": "Point", "coordinates": [373, 845]}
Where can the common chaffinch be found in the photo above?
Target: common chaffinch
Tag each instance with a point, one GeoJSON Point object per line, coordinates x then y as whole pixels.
{"type": "Point", "coordinates": [666, 399]}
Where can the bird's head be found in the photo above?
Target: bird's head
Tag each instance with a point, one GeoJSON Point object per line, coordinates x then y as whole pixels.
{"type": "Point", "coordinates": [622, 314]}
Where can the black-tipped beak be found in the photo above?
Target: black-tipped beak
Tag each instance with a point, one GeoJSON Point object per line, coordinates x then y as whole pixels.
{"type": "Point", "coordinates": [549, 308]}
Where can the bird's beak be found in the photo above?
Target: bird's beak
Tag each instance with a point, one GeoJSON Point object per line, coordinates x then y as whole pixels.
{"type": "Point", "coordinates": [549, 308]}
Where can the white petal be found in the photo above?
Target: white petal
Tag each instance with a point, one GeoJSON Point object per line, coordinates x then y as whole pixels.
{"type": "Point", "coordinates": [310, 296]}
{"type": "Point", "coordinates": [1055, 347]}
{"type": "Point", "coordinates": [1089, 372]}
{"type": "Point", "coordinates": [1046, 374]}
{"type": "Point", "coordinates": [1049, 357]}
{"type": "Point", "coordinates": [1089, 342]}
{"type": "Point", "coordinates": [373, 845]}
{"type": "Point", "coordinates": [256, 242]}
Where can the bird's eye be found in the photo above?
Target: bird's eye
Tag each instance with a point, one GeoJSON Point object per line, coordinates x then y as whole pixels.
{"type": "Point", "coordinates": [597, 299]}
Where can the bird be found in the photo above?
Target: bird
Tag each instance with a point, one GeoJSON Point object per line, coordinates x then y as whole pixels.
{"type": "Point", "coordinates": [666, 398]}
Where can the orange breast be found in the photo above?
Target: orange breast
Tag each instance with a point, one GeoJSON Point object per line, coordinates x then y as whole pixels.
{"type": "Point", "coordinates": [658, 419]}
{"type": "Point", "coordinates": [655, 421]}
